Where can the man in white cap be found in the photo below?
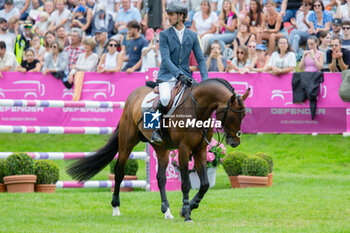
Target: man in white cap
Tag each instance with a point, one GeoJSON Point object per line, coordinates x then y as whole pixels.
{"type": "Point", "coordinates": [176, 44]}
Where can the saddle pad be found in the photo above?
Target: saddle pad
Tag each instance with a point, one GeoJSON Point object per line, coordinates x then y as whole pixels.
{"type": "Point", "coordinates": [147, 102]}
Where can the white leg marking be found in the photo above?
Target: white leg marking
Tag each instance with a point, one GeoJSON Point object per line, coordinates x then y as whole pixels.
{"type": "Point", "coordinates": [116, 211]}
{"type": "Point", "coordinates": [168, 215]}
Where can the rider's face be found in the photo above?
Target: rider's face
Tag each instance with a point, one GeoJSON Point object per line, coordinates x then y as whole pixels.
{"type": "Point", "coordinates": [173, 17]}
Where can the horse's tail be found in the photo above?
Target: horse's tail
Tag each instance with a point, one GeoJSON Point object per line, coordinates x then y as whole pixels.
{"type": "Point", "coordinates": [89, 166]}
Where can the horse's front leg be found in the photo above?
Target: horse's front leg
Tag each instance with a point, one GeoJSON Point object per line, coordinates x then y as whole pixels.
{"type": "Point", "coordinates": [163, 160]}
{"type": "Point", "coordinates": [201, 168]}
{"type": "Point", "coordinates": [185, 211]}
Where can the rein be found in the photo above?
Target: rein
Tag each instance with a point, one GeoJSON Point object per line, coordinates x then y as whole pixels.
{"type": "Point", "coordinates": [228, 108]}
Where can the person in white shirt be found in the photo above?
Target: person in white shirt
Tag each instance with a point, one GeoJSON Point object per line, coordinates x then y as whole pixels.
{"type": "Point", "coordinates": [283, 60]}
{"type": "Point", "coordinates": [111, 61]}
{"type": "Point", "coordinates": [151, 57]}
{"type": "Point", "coordinates": [8, 61]}
{"type": "Point", "coordinates": [343, 8]}
{"type": "Point", "coordinates": [9, 10]}
{"type": "Point", "coordinates": [61, 16]}
{"type": "Point", "coordinates": [204, 24]}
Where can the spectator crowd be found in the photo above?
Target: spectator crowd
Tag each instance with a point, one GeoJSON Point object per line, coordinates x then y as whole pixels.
{"type": "Point", "coordinates": [63, 37]}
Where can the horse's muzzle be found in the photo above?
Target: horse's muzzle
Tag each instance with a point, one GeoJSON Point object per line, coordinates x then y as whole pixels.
{"type": "Point", "coordinates": [233, 141]}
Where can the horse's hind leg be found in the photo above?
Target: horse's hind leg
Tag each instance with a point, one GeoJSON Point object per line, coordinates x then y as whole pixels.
{"type": "Point", "coordinates": [128, 140]}
{"type": "Point", "coordinates": [163, 159]}
{"type": "Point", "coordinates": [201, 168]}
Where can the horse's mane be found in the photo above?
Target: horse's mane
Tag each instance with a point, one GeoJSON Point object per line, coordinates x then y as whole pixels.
{"type": "Point", "coordinates": [222, 81]}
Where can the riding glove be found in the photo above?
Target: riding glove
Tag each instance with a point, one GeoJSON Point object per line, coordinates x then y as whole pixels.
{"type": "Point", "coordinates": [185, 80]}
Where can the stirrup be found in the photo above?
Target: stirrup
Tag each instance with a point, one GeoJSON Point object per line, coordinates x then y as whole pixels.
{"type": "Point", "coordinates": [156, 137]}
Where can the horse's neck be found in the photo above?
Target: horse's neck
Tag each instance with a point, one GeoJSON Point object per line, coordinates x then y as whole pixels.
{"type": "Point", "coordinates": [210, 97]}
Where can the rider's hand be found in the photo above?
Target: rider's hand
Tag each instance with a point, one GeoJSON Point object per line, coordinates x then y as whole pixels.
{"type": "Point", "coordinates": [185, 80]}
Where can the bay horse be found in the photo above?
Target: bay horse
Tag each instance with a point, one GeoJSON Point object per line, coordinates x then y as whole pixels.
{"type": "Point", "coordinates": [200, 101]}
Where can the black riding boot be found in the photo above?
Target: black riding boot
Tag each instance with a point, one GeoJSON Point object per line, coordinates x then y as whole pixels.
{"type": "Point", "coordinates": [156, 134]}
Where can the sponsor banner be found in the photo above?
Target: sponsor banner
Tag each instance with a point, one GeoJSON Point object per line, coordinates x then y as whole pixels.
{"type": "Point", "coordinates": [269, 105]}
{"type": "Point", "coordinates": [294, 120]}
{"type": "Point", "coordinates": [35, 86]}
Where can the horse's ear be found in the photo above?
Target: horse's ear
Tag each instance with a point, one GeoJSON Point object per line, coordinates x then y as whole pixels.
{"type": "Point", "coordinates": [244, 97]}
{"type": "Point", "coordinates": [233, 98]}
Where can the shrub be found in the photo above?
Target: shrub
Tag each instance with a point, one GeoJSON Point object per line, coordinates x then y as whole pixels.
{"type": "Point", "coordinates": [19, 164]}
{"type": "Point", "coordinates": [233, 163]}
{"type": "Point", "coordinates": [2, 170]}
{"type": "Point", "coordinates": [131, 167]}
{"type": "Point", "coordinates": [267, 158]}
{"type": "Point", "coordinates": [47, 172]}
{"type": "Point", "coordinates": [255, 166]}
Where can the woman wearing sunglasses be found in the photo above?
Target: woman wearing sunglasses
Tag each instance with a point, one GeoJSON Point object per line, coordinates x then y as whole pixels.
{"type": "Point", "coordinates": [320, 19]}
{"type": "Point", "coordinates": [111, 61]}
{"type": "Point", "coordinates": [56, 60]}
{"type": "Point", "coordinates": [241, 62]}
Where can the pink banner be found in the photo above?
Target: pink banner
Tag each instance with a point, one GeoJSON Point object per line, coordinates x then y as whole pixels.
{"type": "Point", "coordinates": [35, 86]}
{"type": "Point", "coordinates": [269, 105]}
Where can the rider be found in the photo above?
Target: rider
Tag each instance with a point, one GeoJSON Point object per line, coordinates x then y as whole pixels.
{"type": "Point", "coordinates": [176, 44]}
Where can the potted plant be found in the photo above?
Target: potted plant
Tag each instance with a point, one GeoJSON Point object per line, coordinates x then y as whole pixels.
{"type": "Point", "coordinates": [130, 170]}
{"type": "Point", "coordinates": [2, 170]}
{"type": "Point", "coordinates": [19, 173]}
{"type": "Point", "coordinates": [254, 170]}
{"type": "Point", "coordinates": [215, 155]}
{"type": "Point", "coordinates": [47, 173]}
{"type": "Point", "coordinates": [233, 166]}
{"type": "Point", "coordinates": [269, 161]}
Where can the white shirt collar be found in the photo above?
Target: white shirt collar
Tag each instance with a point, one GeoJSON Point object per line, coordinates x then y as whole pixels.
{"type": "Point", "coordinates": [179, 33]}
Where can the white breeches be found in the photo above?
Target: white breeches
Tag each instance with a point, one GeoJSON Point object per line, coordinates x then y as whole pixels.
{"type": "Point", "coordinates": [165, 90]}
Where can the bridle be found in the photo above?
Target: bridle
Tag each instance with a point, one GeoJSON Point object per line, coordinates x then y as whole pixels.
{"type": "Point", "coordinates": [228, 108]}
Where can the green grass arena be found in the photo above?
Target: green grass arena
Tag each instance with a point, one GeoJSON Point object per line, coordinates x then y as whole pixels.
{"type": "Point", "coordinates": [311, 192]}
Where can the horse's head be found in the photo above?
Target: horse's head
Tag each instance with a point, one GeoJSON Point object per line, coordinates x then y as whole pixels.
{"type": "Point", "coordinates": [231, 117]}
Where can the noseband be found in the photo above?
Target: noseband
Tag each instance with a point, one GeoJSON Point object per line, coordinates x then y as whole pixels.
{"type": "Point", "coordinates": [228, 108]}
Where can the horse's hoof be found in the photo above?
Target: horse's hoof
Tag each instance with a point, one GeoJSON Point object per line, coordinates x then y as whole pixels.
{"type": "Point", "coordinates": [116, 211]}
{"type": "Point", "coordinates": [168, 215]}
{"type": "Point", "coordinates": [188, 220]}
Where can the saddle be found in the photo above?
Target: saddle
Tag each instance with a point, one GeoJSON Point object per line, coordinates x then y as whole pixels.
{"type": "Point", "coordinates": [150, 103]}
{"type": "Point", "coordinates": [176, 90]}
